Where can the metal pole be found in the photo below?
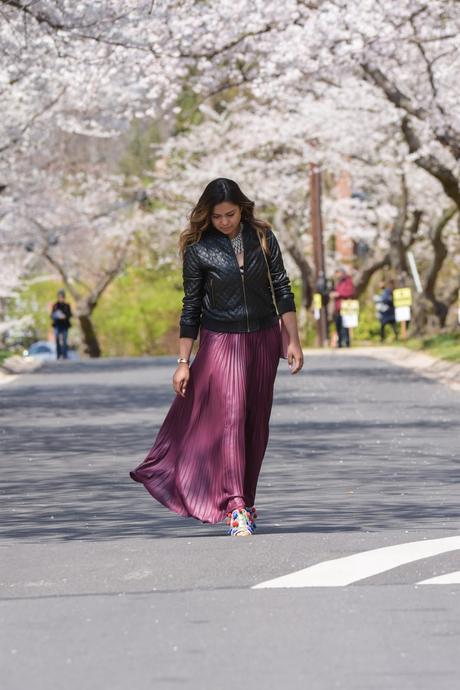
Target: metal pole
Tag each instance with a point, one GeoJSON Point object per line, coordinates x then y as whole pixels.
{"type": "Point", "coordinates": [318, 248]}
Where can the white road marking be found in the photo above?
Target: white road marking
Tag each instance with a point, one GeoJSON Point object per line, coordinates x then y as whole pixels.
{"type": "Point", "coordinates": [344, 571]}
{"type": "Point", "coordinates": [446, 579]}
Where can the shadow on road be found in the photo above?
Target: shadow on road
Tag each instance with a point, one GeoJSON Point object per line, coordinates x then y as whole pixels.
{"type": "Point", "coordinates": [378, 456]}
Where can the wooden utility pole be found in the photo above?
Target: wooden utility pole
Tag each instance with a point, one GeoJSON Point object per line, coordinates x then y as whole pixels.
{"type": "Point", "coordinates": [318, 250]}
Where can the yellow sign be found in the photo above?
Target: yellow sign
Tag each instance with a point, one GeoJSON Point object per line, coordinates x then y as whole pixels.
{"type": "Point", "coordinates": [349, 306]}
{"type": "Point", "coordinates": [402, 297]}
{"type": "Point", "coordinates": [317, 300]}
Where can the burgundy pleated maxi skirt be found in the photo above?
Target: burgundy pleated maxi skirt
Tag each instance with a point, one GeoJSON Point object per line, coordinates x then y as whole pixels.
{"type": "Point", "coordinates": [208, 453]}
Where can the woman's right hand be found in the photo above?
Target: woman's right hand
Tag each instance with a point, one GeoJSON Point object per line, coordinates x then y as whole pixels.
{"type": "Point", "coordinates": [181, 378]}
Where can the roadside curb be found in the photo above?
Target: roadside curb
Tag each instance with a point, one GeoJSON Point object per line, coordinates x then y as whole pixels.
{"type": "Point", "coordinates": [6, 378]}
{"type": "Point", "coordinates": [15, 365]}
{"type": "Point", "coordinates": [422, 363]}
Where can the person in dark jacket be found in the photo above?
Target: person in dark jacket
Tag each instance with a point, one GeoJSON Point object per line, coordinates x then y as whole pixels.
{"type": "Point", "coordinates": [207, 456]}
{"type": "Point", "coordinates": [343, 289]}
{"type": "Point", "coordinates": [61, 313]}
{"type": "Point", "coordinates": [387, 310]}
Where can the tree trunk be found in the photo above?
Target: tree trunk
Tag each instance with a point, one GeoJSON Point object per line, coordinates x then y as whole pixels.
{"type": "Point", "coordinates": [90, 340]}
{"type": "Point", "coordinates": [293, 245]}
{"type": "Point", "coordinates": [440, 253]}
{"type": "Point", "coordinates": [86, 305]}
{"type": "Point", "coordinates": [421, 310]}
{"type": "Point", "coordinates": [365, 274]}
{"type": "Point", "coordinates": [306, 278]}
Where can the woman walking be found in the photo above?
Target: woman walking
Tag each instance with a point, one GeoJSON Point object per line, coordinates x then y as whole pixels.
{"type": "Point", "coordinates": [206, 459]}
{"type": "Point", "coordinates": [386, 309]}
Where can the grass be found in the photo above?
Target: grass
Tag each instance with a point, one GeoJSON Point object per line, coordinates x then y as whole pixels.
{"type": "Point", "coordinates": [4, 354]}
{"type": "Point", "coordinates": [445, 345]}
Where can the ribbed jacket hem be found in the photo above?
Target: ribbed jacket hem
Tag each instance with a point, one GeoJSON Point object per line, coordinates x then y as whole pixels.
{"type": "Point", "coordinates": [189, 331]}
{"type": "Point", "coordinates": [243, 326]}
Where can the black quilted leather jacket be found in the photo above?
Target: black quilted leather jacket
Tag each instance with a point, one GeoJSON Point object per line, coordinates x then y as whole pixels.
{"type": "Point", "coordinates": [220, 298]}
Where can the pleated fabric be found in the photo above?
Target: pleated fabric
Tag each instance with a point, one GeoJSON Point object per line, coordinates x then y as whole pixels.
{"type": "Point", "coordinates": [207, 456]}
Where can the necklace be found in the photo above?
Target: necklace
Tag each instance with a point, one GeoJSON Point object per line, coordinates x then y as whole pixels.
{"type": "Point", "coordinates": [237, 242]}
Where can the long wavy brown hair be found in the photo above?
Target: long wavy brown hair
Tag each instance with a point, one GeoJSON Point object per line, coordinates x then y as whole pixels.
{"type": "Point", "coordinates": [217, 191]}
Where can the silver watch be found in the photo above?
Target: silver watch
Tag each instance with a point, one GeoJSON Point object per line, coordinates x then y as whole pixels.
{"type": "Point", "coordinates": [182, 360]}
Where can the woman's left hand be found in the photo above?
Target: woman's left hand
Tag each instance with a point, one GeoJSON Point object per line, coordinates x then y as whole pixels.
{"type": "Point", "coordinates": [295, 357]}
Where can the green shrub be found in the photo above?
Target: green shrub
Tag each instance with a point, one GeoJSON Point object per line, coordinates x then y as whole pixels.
{"type": "Point", "coordinates": [138, 311]}
{"type": "Point", "coordinates": [368, 329]}
{"type": "Point", "coordinates": [36, 299]}
{"type": "Point", "coordinates": [134, 316]}
{"type": "Point", "coordinates": [4, 354]}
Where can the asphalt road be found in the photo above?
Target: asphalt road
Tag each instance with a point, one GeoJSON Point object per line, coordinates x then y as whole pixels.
{"type": "Point", "coordinates": [101, 587]}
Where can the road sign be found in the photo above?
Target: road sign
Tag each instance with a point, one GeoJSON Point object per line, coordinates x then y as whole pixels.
{"type": "Point", "coordinates": [413, 269]}
{"type": "Point", "coordinates": [349, 310]}
{"type": "Point", "coordinates": [402, 314]}
{"type": "Point", "coordinates": [317, 304]}
{"type": "Point", "coordinates": [402, 297]}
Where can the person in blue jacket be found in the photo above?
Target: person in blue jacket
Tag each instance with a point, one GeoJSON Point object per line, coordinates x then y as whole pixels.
{"type": "Point", "coordinates": [386, 310]}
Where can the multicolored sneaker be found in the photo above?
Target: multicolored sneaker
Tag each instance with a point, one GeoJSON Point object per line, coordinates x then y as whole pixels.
{"type": "Point", "coordinates": [240, 523]}
{"type": "Point", "coordinates": [252, 516]}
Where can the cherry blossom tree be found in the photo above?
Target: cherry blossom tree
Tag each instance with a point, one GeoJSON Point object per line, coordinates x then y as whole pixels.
{"type": "Point", "coordinates": [272, 160]}
{"type": "Point", "coordinates": [369, 88]}
{"type": "Point", "coordinates": [83, 229]}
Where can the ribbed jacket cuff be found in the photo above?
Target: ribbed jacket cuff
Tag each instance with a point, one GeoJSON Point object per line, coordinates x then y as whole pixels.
{"type": "Point", "coordinates": [285, 305]}
{"type": "Point", "coordinates": [187, 331]}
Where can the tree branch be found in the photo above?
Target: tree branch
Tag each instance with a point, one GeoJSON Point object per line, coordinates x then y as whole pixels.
{"type": "Point", "coordinates": [447, 138]}
{"type": "Point", "coordinates": [305, 269]}
{"type": "Point", "coordinates": [413, 227]}
{"type": "Point", "coordinates": [439, 252]}
{"type": "Point", "coordinates": [28, 124]}
{"type": "Point", "coordinates": [431, 164]}
{"type": "Point", "coordinates": [54, 262]}
{"type": "Point", "coordinates": [40, 17]}
{"type": "Point", "coordinates": [105, 280]}
{"type": "Point", "coordinates": [393, 94]}
{"type": "Point", "coordinates": [373, 265]}
{"type": "Point", "coordinates": [44, 18]}
{"type": "Point", "coordinates": [60, 269]}
{"type": "Point", "coordinates": [453, 295]}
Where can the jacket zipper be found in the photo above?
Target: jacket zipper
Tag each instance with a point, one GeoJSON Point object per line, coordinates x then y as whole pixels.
{"type": "Point", "coordinates": [244, 295]}
{"type": "Point", "coordinates": [242, 280]}
{"type": "Point", "coordinates": [212, 293]}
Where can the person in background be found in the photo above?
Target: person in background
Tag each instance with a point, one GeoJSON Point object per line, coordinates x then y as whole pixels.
{"type": "Point", "coordinates": [386, 310]}
{"type": "Point", "coordinates": [343, 289]}
{"type": "Point", "coordinates": [377, 299]}
{"type": "Point", "coordinates": [61, 313]}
